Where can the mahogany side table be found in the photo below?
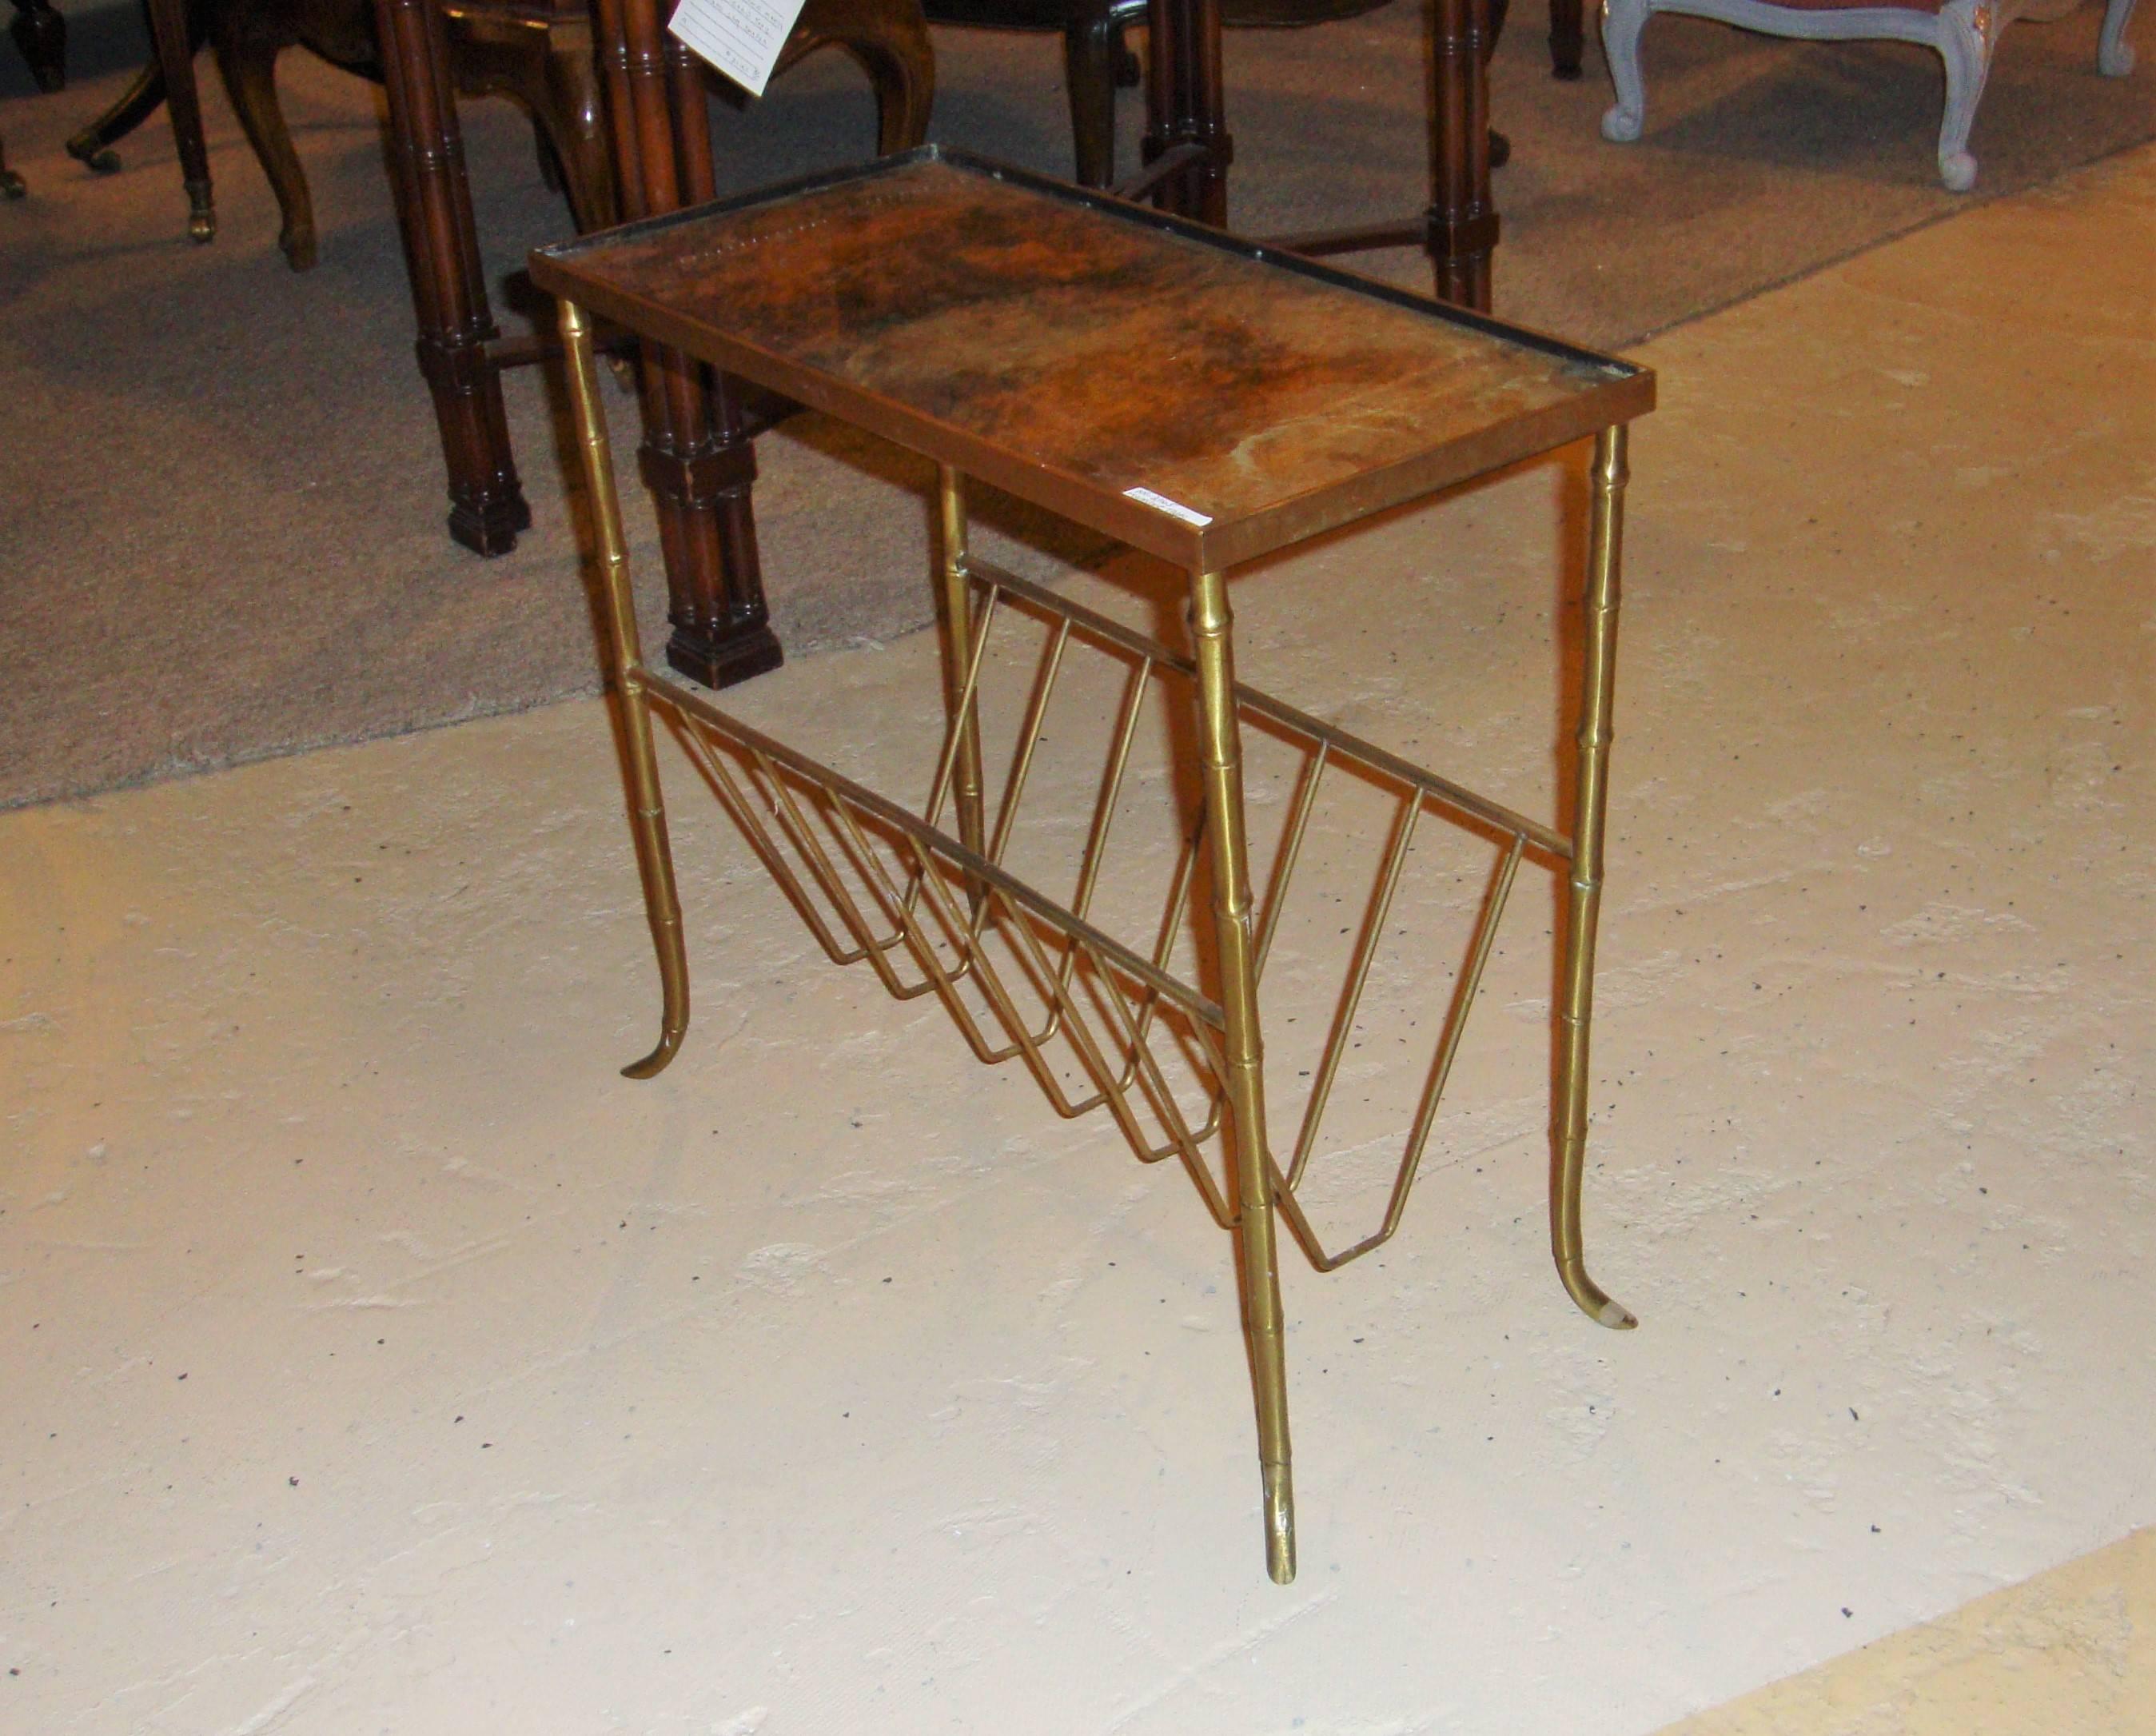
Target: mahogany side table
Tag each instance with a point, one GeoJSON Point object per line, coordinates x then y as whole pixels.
{"type": "Point", "coordinates": [1207, 401]}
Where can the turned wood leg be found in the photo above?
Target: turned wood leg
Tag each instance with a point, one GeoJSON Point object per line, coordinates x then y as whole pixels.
{"type": "Point", "coordinates": [697, 458]}
{"type": "Point", "coordinates": [41, 33]}
{"type": "Point", "coordinates": [1567, 38]}
{"type": "Point", "coordinates": [173, 41]}
{"type": "Point", "coordinates": [1462, 224]}
{"type": "Point", "coordinates": [1185, 104]}
{"type": "Point", "coordinates": [448, 288]}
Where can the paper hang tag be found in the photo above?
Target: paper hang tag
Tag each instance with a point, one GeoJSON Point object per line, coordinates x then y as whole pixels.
{"type": "Point", "coordinates": [741, 38]}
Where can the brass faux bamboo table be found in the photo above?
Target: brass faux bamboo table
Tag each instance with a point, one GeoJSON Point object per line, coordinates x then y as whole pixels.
{"type": "Point", "coordinates": [1204, 400]}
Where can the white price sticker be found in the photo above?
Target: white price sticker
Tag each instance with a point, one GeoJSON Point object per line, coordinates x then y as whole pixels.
{"type": "Point", "coordinates": [1174, 509]}
{"type": "Point", "coordinates": [741, 38]}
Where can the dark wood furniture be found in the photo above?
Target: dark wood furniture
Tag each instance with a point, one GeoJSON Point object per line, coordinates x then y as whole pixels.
{"type": "Point", "coordinates": [173, 45]}
{"type": "Point", "coordinates": [1210, 401]}
{"type": "Point", "coordinates": [543, 54]}
{"type": "Point", "coordinates": [1097, 60]}
{"type": "Point", "coordinates": [536, 52]}
{"type": "Point", "coordinates": [1567, 34]}
{"type": "Point", "coordinates": [461, 351]}
{"type": "Point", "coordinates": [40, 34]}
{"type": "Point", "coordinates": [697, 458]}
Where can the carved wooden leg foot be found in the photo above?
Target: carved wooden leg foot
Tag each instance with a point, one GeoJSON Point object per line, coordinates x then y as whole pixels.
{"type": "Point", "coordinates": [1622, 22]}
{"type": "Point", "coordinates": [249, 66]}
{"type": "Point", "coordinates": [489, 527]}
{"type": "Point", "coordinates": [93, 146]}
{"type": "Point", "coordinates": [721, 661]}
{"type": "Point", "coordinates": [98, 159]}
{"type": "Point", "coordinates": [1965, 45]}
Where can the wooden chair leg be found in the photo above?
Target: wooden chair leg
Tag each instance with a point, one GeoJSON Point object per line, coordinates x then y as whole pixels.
{"type": "Point", "coordinates": [558, 86]}
{"type": "Point", "coordinates": [93, 145]}
{"type": "Point", "coordinates": [1965, 45]}
{"type": "Point", "coordinates": [249, 66]}
{"type": "Point", "coordinates": [40, 34]}
{"type": "Point", "coordinates": [1186, 104]}
{"type": "Point", "coordinates": [576, 129]}
{"type": "Point", "coordinates": [1462, 221]}
{"type": "Point", "coordinates": [890, 44]}
{"type": "Point", "coordinates": [1622, 21]}
{"type": "Point", "coordinates": [173, 39]}
{"type": "Point", "coordinates": [1091, 41]}
{"type": "Point", "coordinates": [1567, 38]}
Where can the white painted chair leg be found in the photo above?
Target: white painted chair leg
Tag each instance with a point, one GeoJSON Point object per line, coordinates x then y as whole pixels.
{"type": "Point", "coordinates": [1622, 22]}
{"type": "Point", "coordinates": [1965, 28]}
{"type": "Point", "coordinates": [2114, 54]}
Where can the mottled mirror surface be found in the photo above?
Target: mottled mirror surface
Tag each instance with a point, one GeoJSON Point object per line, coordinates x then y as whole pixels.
{"type": "Point", "coordinates": [1103, 348]}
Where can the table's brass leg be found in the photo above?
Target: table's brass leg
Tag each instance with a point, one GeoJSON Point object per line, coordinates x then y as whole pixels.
{"type": "Point", "coordinates": [956, 618]}
{"type": "Point", "coordinates": [1569, 1121]}
{"type": "Point", "coordinates": [1220, 747]}
{"type": "Point", "coordinates": [654, 862]}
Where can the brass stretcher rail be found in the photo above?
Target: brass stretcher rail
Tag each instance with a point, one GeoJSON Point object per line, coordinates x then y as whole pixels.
{"type": "Point", "coordinates": [1165, 1036]}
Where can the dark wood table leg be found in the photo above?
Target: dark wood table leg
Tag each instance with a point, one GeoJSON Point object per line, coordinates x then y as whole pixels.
{"type": "Point", "coordinates": [41, 33]}
{"type": "Point", "coordinates": [176, 59]}
{"type": "Point", "coordinates": [696, 459]}
{"type": "Point", "coordinates": [1567, 38]}
{"type": "Point", "coordinates": [487, 507]}
{"type": "Point", "coordinates": [1461, 228]}
{"type": "Point", "coordinates": [1186, 106]}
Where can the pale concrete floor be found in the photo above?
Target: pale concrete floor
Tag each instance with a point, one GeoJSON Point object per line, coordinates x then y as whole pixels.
{"type": "Point", "coordinates": [377, 1359]}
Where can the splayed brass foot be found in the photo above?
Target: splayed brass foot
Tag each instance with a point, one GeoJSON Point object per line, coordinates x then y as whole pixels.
{"type": "Point", "coordinates": [655, 861]}
{"type": "Point", "coordinates": [654, 1064]}
{"type": "Point", "coordinates": [1594, 1302]}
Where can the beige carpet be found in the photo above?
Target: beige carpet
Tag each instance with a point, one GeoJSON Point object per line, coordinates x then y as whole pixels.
{"type": "Point", "coordinates": [221, 501]}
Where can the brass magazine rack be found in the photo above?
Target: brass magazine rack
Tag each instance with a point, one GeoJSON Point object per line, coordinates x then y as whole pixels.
{"type": "Point", "coordinates": [1207, 401]}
